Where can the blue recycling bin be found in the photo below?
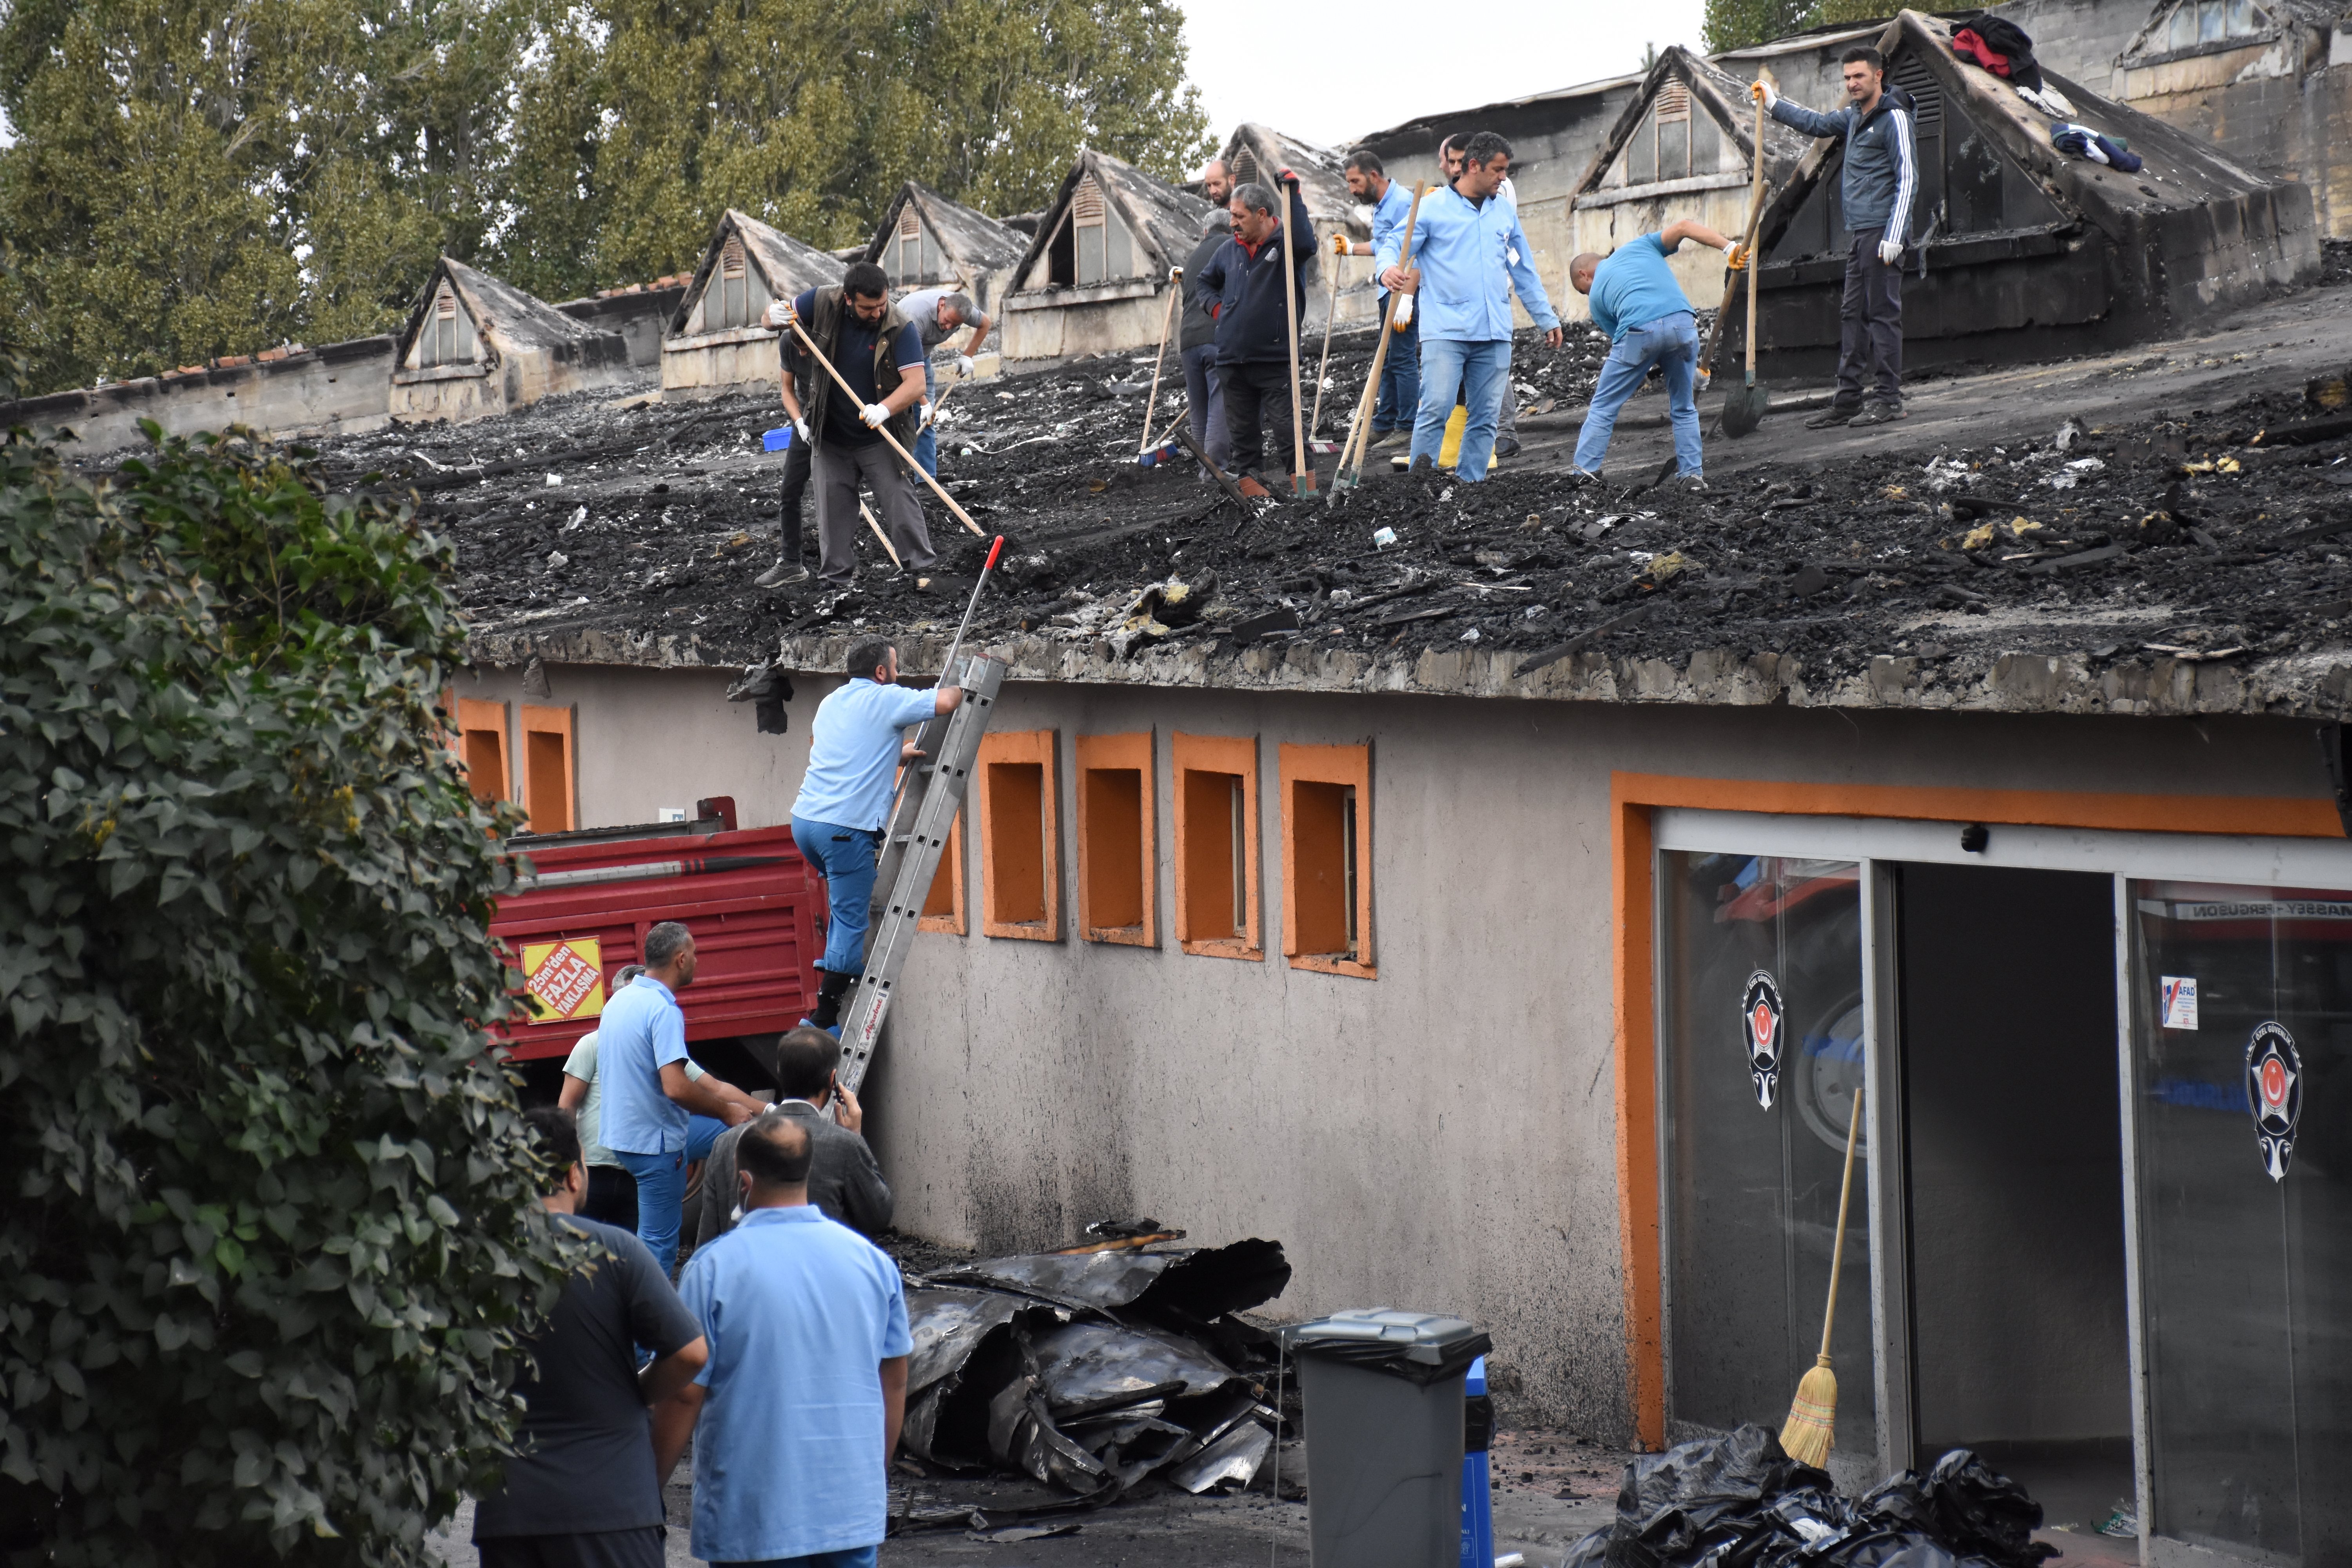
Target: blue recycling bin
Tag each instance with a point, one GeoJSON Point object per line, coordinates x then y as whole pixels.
{"type": "Point", "coordinates": [778, 439]}
{"type": "Point", "coordinates": [1477, 1494]}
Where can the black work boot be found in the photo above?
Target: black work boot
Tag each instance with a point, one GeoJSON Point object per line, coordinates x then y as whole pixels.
{"type": "Point", "coordinates": [1834, 414]}
{"type": "Point", "coordinates": [829, 993]}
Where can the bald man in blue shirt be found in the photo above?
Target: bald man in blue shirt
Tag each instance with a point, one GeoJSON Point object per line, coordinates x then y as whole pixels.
{"type": "Point", "coordinates": [1635, 299]}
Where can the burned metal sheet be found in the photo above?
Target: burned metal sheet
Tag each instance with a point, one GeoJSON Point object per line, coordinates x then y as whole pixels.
{"type": "Point", "coordinates": [1090, 1366]}
{"type": "Point", "coordinates": [1232, 1459]}
{"type": "Point", "coordinates": [1193, 1286]}
{"type": "Point", "coordinates": [947, 1326]}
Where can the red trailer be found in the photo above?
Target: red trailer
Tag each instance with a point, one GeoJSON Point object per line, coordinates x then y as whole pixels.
{"type": "Point", "coordinates": [751, 901]}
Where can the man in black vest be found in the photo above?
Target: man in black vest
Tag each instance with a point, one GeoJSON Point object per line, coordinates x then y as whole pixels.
{"type": "Point", "coordinates": [879, 353]}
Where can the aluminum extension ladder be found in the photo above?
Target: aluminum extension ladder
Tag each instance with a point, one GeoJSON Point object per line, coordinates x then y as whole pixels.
{"type": "Point", "coordinates": [928, 803]}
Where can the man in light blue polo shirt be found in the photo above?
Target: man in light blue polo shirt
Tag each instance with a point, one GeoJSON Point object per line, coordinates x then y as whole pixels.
{"type": "Point", "coordinates": [649, 1102]}
{"type": "Point", "coordinates": [800, 1404]}
{"type": "Point", "coordinates": [854, 750]}
{"type": "Point", "coordinates": [1637, 302]}
{"type": "Point", "coordinates": [1469, 254]}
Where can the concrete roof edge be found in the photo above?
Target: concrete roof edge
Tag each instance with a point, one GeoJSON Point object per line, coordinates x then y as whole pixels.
{"type": "Point", "coordinates": [2308, 686]}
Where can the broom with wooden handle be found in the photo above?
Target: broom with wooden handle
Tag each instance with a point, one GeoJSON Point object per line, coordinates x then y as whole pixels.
{"type": "Point", "coordinates": [1812, 1414]}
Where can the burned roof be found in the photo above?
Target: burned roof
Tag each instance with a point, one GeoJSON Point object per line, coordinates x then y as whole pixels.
{"type": "Point", "coordinates": [1423, 129]}
{"type": "Point", "coordinates": [1725, 99]}
{"type": "Point", "coordinates": [787, 265]}
{"type": "Point", "coordinates": [1165, 218]}
{"type": "Point", "coordinates": [2174, 563]}
{"type": "Point", "coordinates": [1259, 153]}
{"type": "Point", "coordinates": [975, 241]}
{"type": "Point", "coordinates": [507, 319]}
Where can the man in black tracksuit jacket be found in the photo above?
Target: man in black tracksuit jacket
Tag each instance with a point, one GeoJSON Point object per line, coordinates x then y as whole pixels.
{"type": "Point", "coordinates": [1244, 280]}
{"type": "Point", "coordinates": [1880, 184]}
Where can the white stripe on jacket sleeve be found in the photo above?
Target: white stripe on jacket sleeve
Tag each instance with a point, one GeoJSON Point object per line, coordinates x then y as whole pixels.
{"type": "Point", "coordinates": [1906, 178]}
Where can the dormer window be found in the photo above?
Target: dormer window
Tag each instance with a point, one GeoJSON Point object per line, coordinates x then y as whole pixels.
{"type": "Point", "coordinates": [2212, 22]}
{"type": "Point", "coordinates": [447, 337]}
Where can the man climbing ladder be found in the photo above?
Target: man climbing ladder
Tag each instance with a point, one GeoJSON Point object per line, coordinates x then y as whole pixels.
{"type": "Point", "coordinates": [853, 754]}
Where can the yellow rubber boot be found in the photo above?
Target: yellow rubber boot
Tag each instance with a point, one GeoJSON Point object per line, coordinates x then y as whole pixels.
{"type": "Point", "coordinates": [1449, 451]}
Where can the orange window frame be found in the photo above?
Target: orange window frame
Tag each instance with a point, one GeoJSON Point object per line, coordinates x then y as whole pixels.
{"type": "Point", "coordinates": [1348, 766]}
{"type": "Point", "coordinates": [1040, 748]}
{"type": "Point", "coordinates": [1237, 756]}
{"type": "Point", "coordinates": [952, 920]}
{"type": "Point", "coordinates": [1118, 754]}
{"type": "Point", "coordinates": [559, 722]}
{"type": "Point", "coordinates": [1634, 797]}
{"type": "Point", "coordinates": [474, 713]}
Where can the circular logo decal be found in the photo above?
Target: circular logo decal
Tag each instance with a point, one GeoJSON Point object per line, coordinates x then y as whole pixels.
{"type": "Point", "coordinates": [2275, 1094]}
{"type": "Point", "coordinates": [1761, 1025]}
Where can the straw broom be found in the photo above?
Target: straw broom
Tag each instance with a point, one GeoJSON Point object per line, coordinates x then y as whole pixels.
{"type": "Point", "coordinates": [1813, 1415]}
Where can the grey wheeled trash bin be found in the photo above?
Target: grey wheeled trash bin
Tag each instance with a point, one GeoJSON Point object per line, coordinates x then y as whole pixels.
{"type": "Point", "coordinates": [1384, 1407]}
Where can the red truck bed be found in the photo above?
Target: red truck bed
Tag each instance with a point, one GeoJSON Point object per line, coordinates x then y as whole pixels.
{"type": "Point", "coordinates": [749, 898]}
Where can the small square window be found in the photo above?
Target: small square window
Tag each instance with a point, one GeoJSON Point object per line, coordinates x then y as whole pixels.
{"type": "Point", "coordinates": [1117, 842]}
{"type": "Point", "coordinates": [1216, 846]}
{"type": "Point", "coordinates": [1327, 894]}
{"type": "Point", "coordinates": [943, 907]}
{"type": "Point", "coordinates": [1020, 853]}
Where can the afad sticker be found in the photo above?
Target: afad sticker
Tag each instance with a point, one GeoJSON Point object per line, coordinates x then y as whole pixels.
{"type": "Point", "coordinates": [1760, 1023]}
{"type": "Point", "coordinates": [2275, 1094]}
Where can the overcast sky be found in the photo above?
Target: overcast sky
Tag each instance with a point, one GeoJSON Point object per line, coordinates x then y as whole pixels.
{"type": "Point", "coordinates": [1330, 73]}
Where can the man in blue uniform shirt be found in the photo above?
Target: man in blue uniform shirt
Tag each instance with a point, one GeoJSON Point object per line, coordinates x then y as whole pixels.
{"type": "Point", "coordinates": [1637, 302]}
{"type": "Point", "coordinates": [1400, 393]}
{"type": "Point", "coordinates": [800, 1405]}
{"type": "Point", "coordinates": [853, 754]}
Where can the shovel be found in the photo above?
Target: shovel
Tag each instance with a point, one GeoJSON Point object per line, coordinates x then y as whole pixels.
{"type": "Point", "coordinates": [1351, 452]}
{"type": "Point", "coordinates": [1743, 410]}
{"type": "Point", "coordinates": [1302, 477]}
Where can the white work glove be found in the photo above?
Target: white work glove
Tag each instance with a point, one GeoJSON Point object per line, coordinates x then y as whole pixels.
{"type": "Point", "coordinates": [800, 430]}
{"type": "Point", "coordinates": [874, 416]}
{"type": "Point", "coordinates": [963, 366]}
{"type": "Point", "coordinates": [1890, 251]}
{"type": "Point", "coordinates": [925, 423]}
{"type": "Point", "coordinates": [1765, 93]}
{"type": "Point", "coordinates": [1401, 316]}
{"type": "Point", "coordinates": [779, 314]}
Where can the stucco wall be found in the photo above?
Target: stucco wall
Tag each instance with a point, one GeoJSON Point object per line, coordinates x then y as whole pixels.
{"type": "Point", "coordinates": [339, 388]}
{"type": "Point", "coordinates": [1440, 1138]}
{"type": "Point", "coordinates": [2277, 121]}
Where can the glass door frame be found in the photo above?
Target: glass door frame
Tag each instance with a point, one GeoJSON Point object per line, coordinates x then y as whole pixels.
{"type": "Point", "coordinates": [1879, 844]}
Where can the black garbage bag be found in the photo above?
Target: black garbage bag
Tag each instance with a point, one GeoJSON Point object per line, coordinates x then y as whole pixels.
{"type": "Point", "coordinates": [1967, 1505]}
{"type": "Point", "coordinates": [1711, 1495]}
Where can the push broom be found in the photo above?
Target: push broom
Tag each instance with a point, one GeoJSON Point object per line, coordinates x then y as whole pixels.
{"type": "Point", "coordinates": [1812, 1414]}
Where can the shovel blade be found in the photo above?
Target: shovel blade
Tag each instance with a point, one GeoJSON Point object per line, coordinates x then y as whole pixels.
{"type": "Point", "coordinates": [1302, 484]}
{"type": "Point", "coordinates": [1743, 410]}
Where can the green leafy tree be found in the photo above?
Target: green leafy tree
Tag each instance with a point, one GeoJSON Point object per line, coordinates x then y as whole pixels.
{"type": "Point", "coordinates": [270, 1241]}
{"type": "Point", "coordinates": [655, 116]}
{"type": "Point", "coordinates": [1742, 24]}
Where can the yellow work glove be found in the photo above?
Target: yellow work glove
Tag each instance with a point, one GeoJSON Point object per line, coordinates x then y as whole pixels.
{"type": "Point", "coordinates": [1736, 258]}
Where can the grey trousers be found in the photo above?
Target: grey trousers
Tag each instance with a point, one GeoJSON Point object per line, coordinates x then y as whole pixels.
{"type": "Point", "coordinates": [1205, 404]}
{"type": "Point", "coordinates": [1870, 325]}
{"type": "Point", "coordinates": [839, 470]}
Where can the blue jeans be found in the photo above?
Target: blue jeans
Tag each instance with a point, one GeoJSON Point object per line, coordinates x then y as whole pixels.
{"type": "Point", "coordinates": [661, 1202]}
{"type": "Point", "coordinates": [846, 856]}
{"type": "Point", "coordinates": [1670, 342]}
{"type": "Point", "coordinates": [1479, 372]}
{"type": "Point", "coordinates": [927, 440]}
{"type": "Point", "coordinates": [1204, 403]}
{"type": "Point", "coordinates": [701, 1133]}
{"type": "Point", "coordinates": [1400, 396]}
{"type": "Point", "coordinates": [849, 1557]}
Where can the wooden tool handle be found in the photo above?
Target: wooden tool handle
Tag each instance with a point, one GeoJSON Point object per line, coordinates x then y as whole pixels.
{"type": "Point", "coordinates": [1290, 310]}
{"type": "Point", "coordinates": [1175, 292]}
{"type": "Point", "coordinates": [851, 393]}
{"type": "Point", "coordinates": [1323, 371]}
{"type": "Point", "coordinates": [1845, 1193]}
{"type": "Point", "coordinates": [1360, 436]}
{"type": "Point", "coordinates": [1756, 211]}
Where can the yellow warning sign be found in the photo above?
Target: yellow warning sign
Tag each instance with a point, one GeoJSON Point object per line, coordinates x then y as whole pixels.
{"type": "Point", "coordinates": [563, 979]}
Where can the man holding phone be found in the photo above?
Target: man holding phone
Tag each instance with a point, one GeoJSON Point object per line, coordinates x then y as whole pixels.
{"type": "Point", "coordinates": [844, 1181]}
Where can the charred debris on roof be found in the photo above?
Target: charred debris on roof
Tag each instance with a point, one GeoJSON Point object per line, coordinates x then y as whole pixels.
{"type": "Point", "coordinates": [2215, 535]}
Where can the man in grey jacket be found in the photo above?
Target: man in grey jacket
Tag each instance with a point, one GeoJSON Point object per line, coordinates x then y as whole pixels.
{"type": "Point", "coordinates": [844, 1179]}
{"type": "Point", "coordinates": [1880, 182]}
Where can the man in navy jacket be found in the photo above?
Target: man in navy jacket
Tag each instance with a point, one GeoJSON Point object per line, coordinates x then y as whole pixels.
{"type": "Point", "coordinates": [1880, 182]}
{"type": "Point", "coordinates": [1245, 280]}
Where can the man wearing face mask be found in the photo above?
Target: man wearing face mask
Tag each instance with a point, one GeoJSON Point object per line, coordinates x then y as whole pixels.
{"type": "Point", "coordinates": [844, 1179]}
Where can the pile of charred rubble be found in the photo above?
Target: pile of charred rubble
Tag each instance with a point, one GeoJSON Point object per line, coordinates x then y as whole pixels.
{"type": "Point", "coordinates": [2214, 534]}
{"type": "Point", "coordinates": [1093, 1369]}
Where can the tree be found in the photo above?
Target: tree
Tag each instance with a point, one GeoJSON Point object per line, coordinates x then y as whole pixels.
{"type": "Point", "coordinates": [269, 1242]}
{"type": "Point", "coordinates": [810, 116]}
{"type": "Point", "coordinates": [192, 180]}
{"type": "Point", "coordinates": [1742, 24]}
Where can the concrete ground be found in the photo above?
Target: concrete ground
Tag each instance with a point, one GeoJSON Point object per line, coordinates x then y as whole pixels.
{"type": "Point", "coordinates": [1548, 1488]}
